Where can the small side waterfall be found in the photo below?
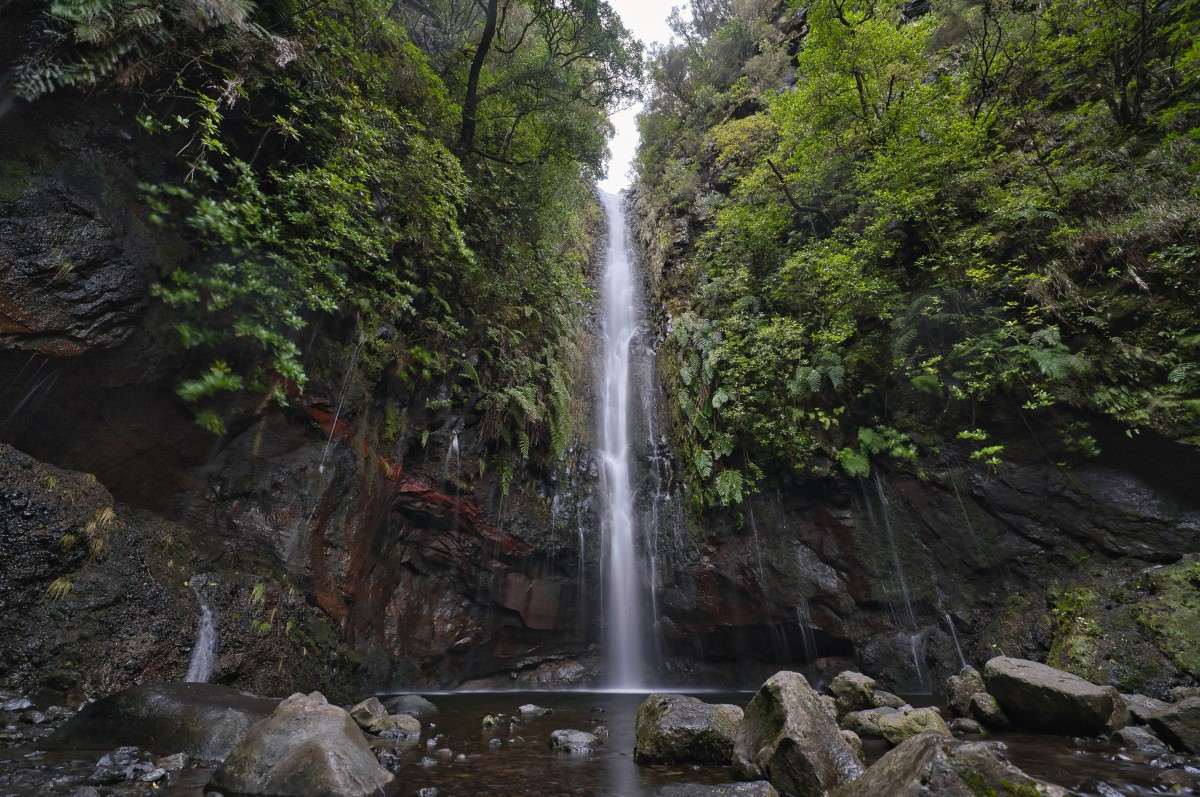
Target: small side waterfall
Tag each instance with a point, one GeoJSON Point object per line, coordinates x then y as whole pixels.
{"type": "Point", "coordinates": [204, 651]}
{"type": "Point", "coordinates": [624, 621]}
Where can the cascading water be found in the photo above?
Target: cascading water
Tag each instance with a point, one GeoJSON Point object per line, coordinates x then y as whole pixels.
{"type": "Point", "coordinates": [625, 636]}
{"type": "Point", "coordinates": [204, 651]}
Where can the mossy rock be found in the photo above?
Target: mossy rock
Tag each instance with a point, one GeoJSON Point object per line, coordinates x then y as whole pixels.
{"type": "Point", "coordinates": [1171, 612]}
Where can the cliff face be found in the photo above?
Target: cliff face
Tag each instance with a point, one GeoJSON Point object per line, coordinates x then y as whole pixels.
{"type": "Point", "coordinates": [342, 546]}
{"type": "Point", "coordinates": [909, 572]}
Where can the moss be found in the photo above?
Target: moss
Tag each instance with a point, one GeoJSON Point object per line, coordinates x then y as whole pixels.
{"type": "Point", "coordinates": [1077, 634]}
{"type": "Point", "coordinates": [1171, 613]}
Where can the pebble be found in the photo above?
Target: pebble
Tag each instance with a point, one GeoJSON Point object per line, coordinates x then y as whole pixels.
{"type": "Point", "coordinates": [427, 762]}
{"type": "Point", "coordinates": [445, 754]}
{"type": "Point", "coordinates": [460, 758]}
{"type": "Point", "coordinates": [494, 743]}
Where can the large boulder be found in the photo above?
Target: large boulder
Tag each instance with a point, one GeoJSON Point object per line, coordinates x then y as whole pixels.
{"type": "Point", "coordinates": [866, 723]}
{"type": "Point", "coordinates": [306, 748]}
{"type": "Point", "coordinates": [853, 691]}
{"type": "Point", "coordinates": [204, 721]}
{"type": "Point", "coordinates": [1038, 697]}
{"type": "Point", "coordinates": [1179, 725]}
{"type": "Point", "coordinates": [788, 737]}
{"type": "Point", "coordinates": [907, 723]}
{"type": "Point", "coordinates": [678, 729]}
{"type": "Point", "coordinates": [412, 705]}
{"type": "Point", "coordinates": [932, 765]}
{"type": "Point", "coordinates": [1141, 707]}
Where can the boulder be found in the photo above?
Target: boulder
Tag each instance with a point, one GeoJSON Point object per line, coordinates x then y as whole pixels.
{"type": "Point", "coordinates": [530, 711]}
{"type": "Point", "coordinates": [882, 699]}
{"type": "Point", "coordinates": [572, 741]}
{"type": "Point", "coordinates": [910, 722]}
{"type": "Point", "coordinates": [202, 720]}
{"type": "Point", "coordinates": [852, 691]}
{"type": "Point", "coordinates": [965, 726]}
{"type": "Point", "coordinates": [1180, 693]}
{"type": "Point", "coordinates": [1141, 707]}
{"type": "Point", "coordinates": [984, 709]}
{"type": "Point", "coordinates": [368, 712]}
{"type": "Point", "coordinates": [1141, 740]}
{"type": "Point", "coordinates": [960, 688]}
{"type": "Point", "coordinates": [1040, 698]}
{"type": "Point", "coordinates": [677, 729]}
{"type": "Point", "coordinates": [1179, 725]}
{"type": "Point", "coordinates": [412, 705]}
{"type": "Point", "coordinates": [788, 737]}
{"type": "Point", "coordinates": [305, 748]}
{"type": "Point", "coordinates": [866, 723]}
{"type": "Point", "coordinates": [758, 788]}
{"type": "Point", "coordinates": [932, 765]}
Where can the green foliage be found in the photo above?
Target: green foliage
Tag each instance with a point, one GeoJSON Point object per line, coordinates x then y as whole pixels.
{"type": "Point", "coordinates": [991, 208]}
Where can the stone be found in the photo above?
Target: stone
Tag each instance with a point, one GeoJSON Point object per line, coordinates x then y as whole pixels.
{"type": "Point", "coordinates": [933, 765]}
{"type": "Point", "coordinates": [882, 699]}
{"type": "Point", "coordinates": [396, 726]}
{"type": "Point", "coordinates": [530, 711]}
{"type": "Point", "coordinates": [490, 721]}
{"type": "Point", "coordinates": [368, 712]}
{"type": "Point", "coordinates": [1180, 693]}
{"type": "Point", "coordinates": [202, 720]}
{"type": "Point", "coordinates": [123, 764]}
{"type": "Point", "coordinates": [677, 729]}
{"type": "Point", "coordinates": [172, 763]}
{"type": "Point", "coordinates": [830, 705]}
{"type": "Point", "coordinates": [907, 723]}
{"type": "Point", "coordinates": [788, 737]}
{"type": "Point", "coordinates": [1140, 739]}
{"type": "Point", "coordinates": [987, 712]}
{"type": "Point", "coordinates": [852, 691]}
{"type": "Point", "coordinates": [305, 748]}
{"type": "Point", "coordinates": [855, 742]}
{"type": "Point", "coordinates": [1141, 707]}
{"type": "Point", "coordinates": [964, 726]}
{"type": "Point", "coordinates": [572, 741]}
{"type": "Point", "coordinates": [85, 791]}
{"type": "Point", "coordinates": [960, 688]}
{"type": "Point", "coordinates": [16, 704]}
{"type": "Point", "coordinates": [1040, 698]}
{"type": "Point", "coordinates": [758, 788]}
{"type": "Point", "coordinates": [866, 723]}
{"type": "Point", "coordinates": [1179, 725]}
{"type": "Point", "coordinates": [412, 705]}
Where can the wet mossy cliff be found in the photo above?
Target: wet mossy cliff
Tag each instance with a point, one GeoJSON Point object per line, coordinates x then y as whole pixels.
{"type": "Point", "coordinates": [349, 540]}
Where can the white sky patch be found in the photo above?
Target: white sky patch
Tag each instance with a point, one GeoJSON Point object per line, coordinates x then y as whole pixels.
{"type": "Point", "coordinates": [647, 20]}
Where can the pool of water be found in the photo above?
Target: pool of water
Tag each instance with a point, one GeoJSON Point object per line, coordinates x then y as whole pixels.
{"type": "Point", "coordinates": [516, 760]}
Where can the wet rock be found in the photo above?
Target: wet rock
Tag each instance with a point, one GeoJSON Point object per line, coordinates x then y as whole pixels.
{"type": "Point", "coordinates": [427, 791]}
{"type": "Point", "coordinates": [1179, 725]}
{"type": "Point", "coordinates": [572, 741]}
{"type": "Point", "coordinates": [1141, 740]}
{"type": "Point", "coordinates": [789, 738]}
{"type": "Point", "coordinates": [57, 713]}
{"type": "Point", "coordinates": [461, 758]}
{"type": "Point", "coordinates": [427, 761]}
{"type": "Point", "coordinates": [123, 764]}
{"type": "Point", "coordinates": [1038, 697]}
{"type": "Point", "coordinates": [866, 723]}
{"type": "Point", "coordinates": [306, 747]}
{"type": "Point", "coordinates": [758, 788]}
{"type": "Point", "coordinates": [173, 763]}
{"type": "Point", "coordinates": [203, 720]}
{"type": "Point", "coordinates": [600, 731]}
{"type": "Point", "coordinates": [898, 726]}
{"type": "Point", "coordinates": [960, 688]}
{"type": "Point", "coordinates": [852, 691]}
{"type": "Point", "coordinates": [679, 729]}
{"type": "Point", "coordinates": [530, 711]}
{"type": "Point", "coordinates": [932, 765]}
{"type": "Point", "coordinates": [490, 721]}
{"type": "Point", "coordinates": [33, 717]}
{"type": "Point", "coordinates": [984, 709]}
{"type": "Point", "coordinates": [412, 705]}
{"type": "Point", "coordinates": [444, 754]}
{"type": "Point", "coordinates": [964, 726]}
{"type": "Point", "coordinates": [16, 704]}
{"type": "Point", "coordinates": [1141, 707]}
{"type": "Point", "coordinates": [494, 743]}
{"type": "Point", "coordinates": [85, 791]}
{"type": "Point", "coordinates": [397, 726]}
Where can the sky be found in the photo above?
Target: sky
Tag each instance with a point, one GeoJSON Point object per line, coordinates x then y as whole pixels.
{"type": "Point", "coordinates": [647, 20]}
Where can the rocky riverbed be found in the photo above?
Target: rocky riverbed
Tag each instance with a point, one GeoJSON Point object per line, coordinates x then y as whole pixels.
{"type": "Point", "coordinates": [1015, 727]}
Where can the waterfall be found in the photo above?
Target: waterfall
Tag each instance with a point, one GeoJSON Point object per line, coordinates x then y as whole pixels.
{"type": "Point", "coordinates": [204, 651]}
{"type": "Point", "coordinates": [624, 622]}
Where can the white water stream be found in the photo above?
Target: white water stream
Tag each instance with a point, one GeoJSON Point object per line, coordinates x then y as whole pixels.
{"type": "Point", "coordinates": [204, 651]}
{"type": "Point", "coordinates": [624, 621]}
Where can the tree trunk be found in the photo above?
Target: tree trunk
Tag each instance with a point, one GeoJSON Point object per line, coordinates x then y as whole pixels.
{"type": "Point", "coordinates": [466, 136]}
